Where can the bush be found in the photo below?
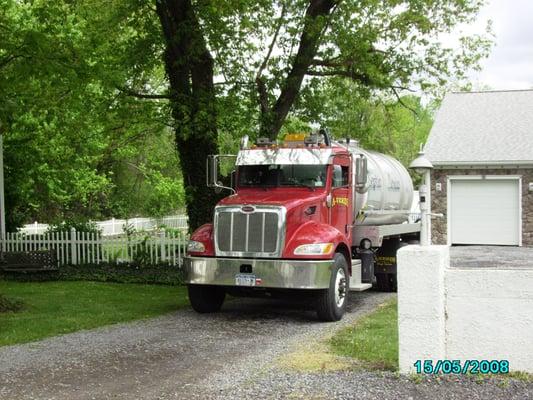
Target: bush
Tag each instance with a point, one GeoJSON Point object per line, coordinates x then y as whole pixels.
{"type": "Point", "coordinates": [80, 226]}
{"type": "Point", "coordinates": [7, 304]}
{"type": "Point", "coordinates": [162, 274]}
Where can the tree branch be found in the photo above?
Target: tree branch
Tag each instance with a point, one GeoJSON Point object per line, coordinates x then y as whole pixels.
{"type": "Point", "coordinates": [333, 62]}
{"type": "Point", "coordinates": [234, 82]}
{"type": "Point", "coordinates": [6, 60]}
{"type": "Point", "coordinates": [131, 92]}
{"type": "Point", "coordinates": [355, 76]}
{"type": "Point", "coordinates": [404, 88]}
{"type": "Point", "coordinates": [340, 61]}
{"type": "Point", "coordinates": [263, 95]}
{"type": "Point", "coordinates": [333, 72]}
{"type": "Point", "coordinates": [393, 88]}
{"type": "Point", "coordinates": [272, 43]}
{"type": "Point", "coordinates": [261, 87]}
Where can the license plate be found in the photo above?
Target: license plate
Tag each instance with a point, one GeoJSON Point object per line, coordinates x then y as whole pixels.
{"type": "Point", "coordinates": [244, 280]}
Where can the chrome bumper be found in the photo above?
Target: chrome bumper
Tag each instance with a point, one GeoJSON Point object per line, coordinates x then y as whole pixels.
{"type": "Point", "coordinates": [287, 274]}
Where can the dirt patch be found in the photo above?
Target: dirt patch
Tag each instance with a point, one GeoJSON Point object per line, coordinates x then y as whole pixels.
{"type": "Point", "coordinates": [314, 357]}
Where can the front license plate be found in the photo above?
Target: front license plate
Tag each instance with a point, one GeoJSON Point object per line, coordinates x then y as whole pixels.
{"type": "Point", "coordinates": [244, 280]}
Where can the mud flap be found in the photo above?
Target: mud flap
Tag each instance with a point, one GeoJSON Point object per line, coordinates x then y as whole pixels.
{"type": "Point", "coordinates": [367, 265]}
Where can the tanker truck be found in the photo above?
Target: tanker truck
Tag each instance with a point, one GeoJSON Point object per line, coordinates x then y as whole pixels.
{"type": "Point", "coordinates": [307, 216]}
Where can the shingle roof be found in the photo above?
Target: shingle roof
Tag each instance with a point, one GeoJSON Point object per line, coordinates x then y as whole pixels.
{"type": "Point", "coordinates": [494, 127]}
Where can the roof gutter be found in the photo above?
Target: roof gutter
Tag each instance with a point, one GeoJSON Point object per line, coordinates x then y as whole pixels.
{"type": "Point", "coordinates": [483, 164]}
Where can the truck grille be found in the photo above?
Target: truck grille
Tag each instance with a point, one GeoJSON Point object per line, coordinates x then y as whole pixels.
{"type": "Point", "coordinates": [258, 233]}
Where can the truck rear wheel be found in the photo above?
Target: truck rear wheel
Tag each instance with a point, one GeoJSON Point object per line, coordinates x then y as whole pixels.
{"type": "Point", "coordinates": [206, 298]}
{"type": "Point", "coordinates": [331, 303]}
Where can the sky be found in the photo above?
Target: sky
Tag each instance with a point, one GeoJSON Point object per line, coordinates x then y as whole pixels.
{"type": "Point", "coordinates": [510, 65]}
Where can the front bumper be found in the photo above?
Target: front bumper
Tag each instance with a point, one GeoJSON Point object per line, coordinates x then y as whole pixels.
{"type": "Point", "coordinates": [286, 274]}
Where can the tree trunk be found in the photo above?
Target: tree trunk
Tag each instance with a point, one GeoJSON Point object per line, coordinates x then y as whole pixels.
{"type": "Point", "coordinates": [189, 67]}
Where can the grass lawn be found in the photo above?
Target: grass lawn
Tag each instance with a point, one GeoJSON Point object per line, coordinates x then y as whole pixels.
{"type": "Point", "coordinates": [373, 339]}
{"type": "Point", "coordinates": [53, 308]}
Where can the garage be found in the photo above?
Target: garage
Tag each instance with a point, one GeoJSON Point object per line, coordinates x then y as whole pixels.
{"type": "Point", "coordinates": [481, 148]}
{"type": "Point", "coordinates": [484, 210]}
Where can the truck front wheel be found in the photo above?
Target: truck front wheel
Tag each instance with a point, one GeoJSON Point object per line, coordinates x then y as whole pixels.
{"type": "Point", "coordinates": [331, 303]}
{"type": "Point", "coordinates": [206, 298]}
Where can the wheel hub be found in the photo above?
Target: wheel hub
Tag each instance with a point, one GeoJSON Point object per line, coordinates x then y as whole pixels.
{"type": "Point", "coordinates": [340, 287]}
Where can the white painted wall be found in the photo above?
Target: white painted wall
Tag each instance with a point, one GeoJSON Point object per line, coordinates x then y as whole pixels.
{"type": "Point", "coordinates": [454, 313]}
{"type": "Point", "coordinates": [490, 315]}
{"type": "Point", "coordinates": [421, 312]}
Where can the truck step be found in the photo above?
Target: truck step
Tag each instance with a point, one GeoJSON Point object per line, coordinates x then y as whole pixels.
{"type": "Point", "coordinates": [355, 280]}
{"type": "Point", "coordinates": [360, 287]}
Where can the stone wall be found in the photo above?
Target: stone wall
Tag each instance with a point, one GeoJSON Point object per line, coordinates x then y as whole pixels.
{"type": "Point", "coordinates": [439, 200]}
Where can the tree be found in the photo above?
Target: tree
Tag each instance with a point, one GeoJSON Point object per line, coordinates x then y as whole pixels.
{"type": "Point", "coordinates": [380, 45]}
{"type": "Point", "coordinates": [79, 143]}
{"type": "Point", "coordinates": [91, 93]}
{"type": "Point", "coordinates": [190, 69]}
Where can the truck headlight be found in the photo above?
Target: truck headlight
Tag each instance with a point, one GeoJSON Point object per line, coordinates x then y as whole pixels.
{"type": "Point", "coordinates": [314, 249]}
{"type": "Point", "coordinates": [195, 247]}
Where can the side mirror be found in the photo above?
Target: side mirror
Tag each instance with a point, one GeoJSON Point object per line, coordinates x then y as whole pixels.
{"type": "Point", "coordinates": [211, 175]}
{"type": "Point", "coordinates": [233, 181]}
{"type": "Point", "coordinates": [361, 172]}
{"type": "Point", "coordinates": [211, 171]}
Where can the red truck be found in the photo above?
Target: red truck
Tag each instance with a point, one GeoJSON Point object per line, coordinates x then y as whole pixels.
{"type": "Point", "coordinates": [309, 215]}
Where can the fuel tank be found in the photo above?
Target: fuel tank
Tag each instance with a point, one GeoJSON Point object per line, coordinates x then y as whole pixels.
{"type": "Point", "coordinates": [388, 194]}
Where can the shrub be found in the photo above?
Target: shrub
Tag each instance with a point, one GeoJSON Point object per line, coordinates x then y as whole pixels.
{"type": "Point", "coordinates": [80, 226]}
{"type": "Point", "coordinates": [7, 304]}
{"type": "Point", "coordinates": [162, 274]}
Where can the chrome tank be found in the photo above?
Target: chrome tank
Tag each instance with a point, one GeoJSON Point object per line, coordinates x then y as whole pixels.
{"type": "Point", "coordinates": [388, 194]}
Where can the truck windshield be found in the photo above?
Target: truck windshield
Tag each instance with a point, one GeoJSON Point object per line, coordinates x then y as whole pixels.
{"type": "Point", "coordinates": [282, 175]}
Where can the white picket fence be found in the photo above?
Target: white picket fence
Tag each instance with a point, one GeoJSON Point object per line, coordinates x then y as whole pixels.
{"type": "Point", "coordinates": [116, 226]}
{"type": "Point", "coordinates": [76, 248]}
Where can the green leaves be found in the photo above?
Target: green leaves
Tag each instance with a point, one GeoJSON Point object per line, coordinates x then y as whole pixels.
{"type": "Point", "coordinates": [382, 45]}
{"type": "Point", "coordinates": [380, 123]}
{"type": "Point", "coordinates": [82, 137]}
{"type": "Point", "coordinates": [73, 141]}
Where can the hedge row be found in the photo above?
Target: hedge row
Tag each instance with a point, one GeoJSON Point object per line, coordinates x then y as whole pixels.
{"type": "Point", "coordinates": [122, 273]}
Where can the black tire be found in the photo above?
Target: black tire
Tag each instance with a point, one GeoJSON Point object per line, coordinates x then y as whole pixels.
{"type": "Point", "coordinates": [386, 282]}
{"type": "Point", "coordinates": [206, 298]}
{"type": "Point", "coordinates": [328, 309]}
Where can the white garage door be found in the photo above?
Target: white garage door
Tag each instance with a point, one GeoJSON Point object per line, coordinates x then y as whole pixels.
{"type": "Point", "coordinates": [485, 211]}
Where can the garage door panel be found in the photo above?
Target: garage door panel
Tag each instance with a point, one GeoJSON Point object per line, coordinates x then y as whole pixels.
{"type": "Point", "coordinates": [484, 211]}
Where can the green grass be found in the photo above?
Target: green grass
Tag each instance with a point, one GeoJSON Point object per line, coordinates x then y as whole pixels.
{"type": "Point", "coordinates": [54, 308]}
{"type": "Point", "coordinates": [373, 339]}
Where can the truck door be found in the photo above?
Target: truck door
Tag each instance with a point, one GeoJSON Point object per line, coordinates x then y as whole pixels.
{"type": "Point", "coordinates": [341, 202]}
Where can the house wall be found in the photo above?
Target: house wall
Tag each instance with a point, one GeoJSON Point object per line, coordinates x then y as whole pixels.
{"type": "Point", "coordinates": [439, 200]}
{"type": "Point", "coordinates": [462, 313]}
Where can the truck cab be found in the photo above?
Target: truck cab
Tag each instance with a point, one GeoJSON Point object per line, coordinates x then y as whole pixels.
{"type": "Point", "coordinates": [287, 226]}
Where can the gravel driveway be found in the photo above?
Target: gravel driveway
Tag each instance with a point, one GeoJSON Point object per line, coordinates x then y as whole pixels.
{"type": "Point", "coordinates": [502, 257]}
{"type": "Point", "coordinates": [233, 354]}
